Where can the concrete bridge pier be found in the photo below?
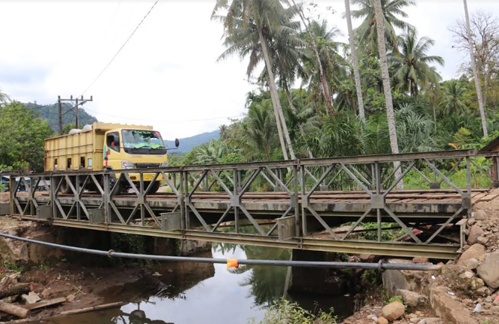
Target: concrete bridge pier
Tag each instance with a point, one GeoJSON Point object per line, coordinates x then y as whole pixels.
{"type": "Point", "coordinates": [327, 281]}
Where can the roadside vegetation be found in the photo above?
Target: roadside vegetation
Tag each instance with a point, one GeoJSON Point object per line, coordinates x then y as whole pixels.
{"type": "Point", "coordinates": [430, 114]}
{"type": "Point", "coordinates": [283, 311]}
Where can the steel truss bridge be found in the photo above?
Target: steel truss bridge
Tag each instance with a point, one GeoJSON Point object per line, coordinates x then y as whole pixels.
{"type": "Point", "coordinates": [348, 205]}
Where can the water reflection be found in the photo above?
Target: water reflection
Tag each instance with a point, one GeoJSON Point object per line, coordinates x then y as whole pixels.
{"type": "Point", "coordinates": [266, 283]}
{"type": "Point", "coordinates": [200, 292]}
{"type": "Point", "coordinates": [217, 297]}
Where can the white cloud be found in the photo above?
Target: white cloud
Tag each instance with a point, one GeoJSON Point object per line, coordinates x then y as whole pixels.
{"type": "Point", "coordinates": [166, 75]}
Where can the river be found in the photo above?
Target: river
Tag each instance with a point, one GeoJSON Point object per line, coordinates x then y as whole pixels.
{"type": "Point", "coordinates": [208, 293]}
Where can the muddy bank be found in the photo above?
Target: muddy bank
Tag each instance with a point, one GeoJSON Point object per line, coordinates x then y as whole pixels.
{"type": "Point", "coordinates": [85, 287]}
{"type": "Point", "coordinates": [83, 280]}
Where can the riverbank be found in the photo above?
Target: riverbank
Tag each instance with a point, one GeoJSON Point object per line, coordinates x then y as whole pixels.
{"type": "Point", "coordinates": [466, 288]}
{"type": "Point", "coordinates": [87, 286]}
{"type": "Point", "coordinates": [82, 287]}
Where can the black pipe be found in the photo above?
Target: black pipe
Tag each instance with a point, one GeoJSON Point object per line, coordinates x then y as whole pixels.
{"type": "Point", "coordinates": [235, 263]}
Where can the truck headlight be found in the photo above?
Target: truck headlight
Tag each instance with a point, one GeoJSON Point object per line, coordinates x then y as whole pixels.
{"type": "Point", "coordinates": [127, 165]}
{"type": "Point", "coordinates": [164, 165]}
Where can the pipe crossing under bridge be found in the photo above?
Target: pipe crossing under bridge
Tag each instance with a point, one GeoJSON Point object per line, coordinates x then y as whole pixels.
{"type": "Point", "coordinates": [392, 205]}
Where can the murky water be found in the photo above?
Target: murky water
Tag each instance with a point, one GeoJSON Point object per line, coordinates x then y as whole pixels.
{"type": "Point", "coordinates": [207, 293]}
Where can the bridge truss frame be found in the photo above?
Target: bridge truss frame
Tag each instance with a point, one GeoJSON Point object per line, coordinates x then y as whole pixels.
{"type": "Point", "coordinates": [302, 206]}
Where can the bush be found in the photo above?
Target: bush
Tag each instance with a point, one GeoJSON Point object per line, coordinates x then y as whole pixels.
{"type": "Point", "coordinates": [284, 311]}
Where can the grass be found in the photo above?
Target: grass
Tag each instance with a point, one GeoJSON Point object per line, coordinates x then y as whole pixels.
{"type": "Point", "coordinates": [284, 311]}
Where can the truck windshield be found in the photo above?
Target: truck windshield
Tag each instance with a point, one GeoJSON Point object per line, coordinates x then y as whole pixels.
{"type": "Point", "coordinates": [143, 141]}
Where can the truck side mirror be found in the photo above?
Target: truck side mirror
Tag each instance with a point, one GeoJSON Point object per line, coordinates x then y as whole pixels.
{"type": "Point", "coordinates": [177, 142]}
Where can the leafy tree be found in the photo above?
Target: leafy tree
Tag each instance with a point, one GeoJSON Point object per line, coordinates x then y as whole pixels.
{"type": "Point", "coordinates": [453, 98]}
{"type": "Point", "coordinates": [259, 128]}
{"type": "Point", "coordinates": [413, 71]}
{"type": "Point", "coordinates": [485, 37]}
{"type": "Point", "coordinates": [337, 136]}
{"type": "Point", "coordinates": [331, 62]}
{"type": "Point", "coordinates": [3, 98]}
{"type": "Point", "coordinates": [250, 26]}
{"type": "Point", "coordinates": [415, 131]}
{"type": "Point", "coordinates": [287, 48]}
{"type": "Point", "coordinates": [22, 135]}
{"type": "Point", "coordinates": [390, 9]}
{"type": "Point", "coordinates": [302, 118]}
{"type": "Point", "coordinates": [372, 84]}
{"type": "Point", "coordinates": [50, 113]}
{"type": "Point", "coordinates": [375, 139]}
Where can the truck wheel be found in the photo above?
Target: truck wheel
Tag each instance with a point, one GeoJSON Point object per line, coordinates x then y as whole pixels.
{"type": "Point", "coordinates": [65, 188]}
{"type": "Point", "coordinates": [154, 187]}
{"type": "Point", "coordinates": [115, 182]}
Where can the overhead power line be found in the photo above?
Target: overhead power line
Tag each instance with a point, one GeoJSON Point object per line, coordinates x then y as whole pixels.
{"type": "Point", "coordinates": [121, 48]}
{"type": "Point", "coordinates": [91, 111]}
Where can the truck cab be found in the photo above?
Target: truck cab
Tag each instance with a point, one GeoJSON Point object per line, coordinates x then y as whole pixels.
{"type": "Point", "coordinates": [132, 148]}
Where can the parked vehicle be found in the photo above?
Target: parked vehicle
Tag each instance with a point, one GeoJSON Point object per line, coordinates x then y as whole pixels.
{"type": "Point", "coordinates": [4, 183]}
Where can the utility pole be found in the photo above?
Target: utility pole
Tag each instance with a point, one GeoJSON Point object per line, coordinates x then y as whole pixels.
{"type": "Point", "coordinates": [77, 101]}
{"type": "Point", "coordinates": [60, 114]}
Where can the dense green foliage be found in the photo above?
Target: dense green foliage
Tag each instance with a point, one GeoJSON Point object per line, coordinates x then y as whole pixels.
{"type": "Point", "coordinates": [23, 129]}
{"type": "Point", "coordinates": [286, 312]}
{"type": "Point", "coordinates": [430, 114]}
{"type": "Point", "coordinates": [50, 113]}
{"type": "Point", "coordinates": [22, 134]}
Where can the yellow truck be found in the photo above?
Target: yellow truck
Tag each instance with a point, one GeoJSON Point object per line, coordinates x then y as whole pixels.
{"type": "Point", "coordinates": [103, 146]}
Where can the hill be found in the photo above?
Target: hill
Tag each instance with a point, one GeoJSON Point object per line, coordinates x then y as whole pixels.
{"type": "Point", "coordinates": [51, 114]}
{"type": "Point", "coordinates": [188, 143]}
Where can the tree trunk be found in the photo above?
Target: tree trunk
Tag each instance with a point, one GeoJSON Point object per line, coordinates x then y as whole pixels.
{"type": "Point", "coordinates": [355, 63]}
{"type": "Point", "coordinates": [392, 130]}
{"type": "Point", "coordinates": [282, 128]}
{"type": "Point", "coordinates": [17, 289]}
{"type": "Point", "coordinates": [13, 310]}
{"type": "Point", "coordinates": [475, 73]}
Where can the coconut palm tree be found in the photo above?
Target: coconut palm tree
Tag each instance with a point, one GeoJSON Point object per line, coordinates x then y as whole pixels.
{"type": "Point", "coordinates": [287, 49]}
{"type": "Point", "coordinates": [385, 75]}
{"type": "Point", "coordinates": [249, 26]}
{"type": "Point", "coordinates": [453, 98]}
{"type": "Point", "coordinates": [355, 62]}
{"type": "Point", "coordinates": [314, 47]}
{"type": "Point", "coordinates": [413, 71]}
{"type": "Point", "coordinates": [391, 10]}
{"type": "Point", "coordinates": [392, 129]}
{"type": "Point", "coordinates": [332, 63]}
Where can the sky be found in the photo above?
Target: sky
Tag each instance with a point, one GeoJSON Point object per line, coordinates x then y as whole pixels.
{"type": "Point", "coordinates": [159, 67]}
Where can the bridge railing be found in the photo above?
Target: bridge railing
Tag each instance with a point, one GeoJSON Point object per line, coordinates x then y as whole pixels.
{"type": "Point", "coordinates": [340, 199]}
